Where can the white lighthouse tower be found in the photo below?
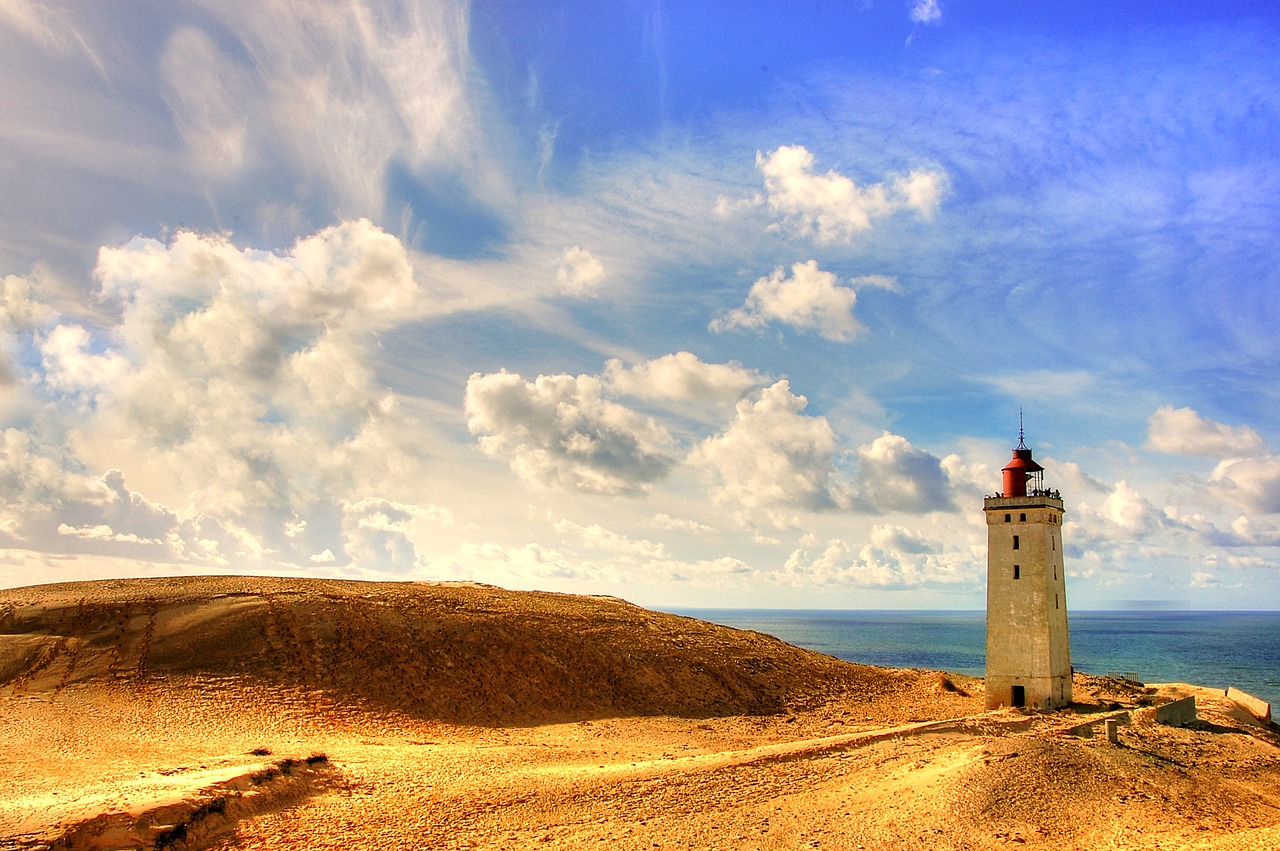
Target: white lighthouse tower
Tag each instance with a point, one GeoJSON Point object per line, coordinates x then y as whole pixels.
{"type": "Point", "coordinates": [1028, 650]}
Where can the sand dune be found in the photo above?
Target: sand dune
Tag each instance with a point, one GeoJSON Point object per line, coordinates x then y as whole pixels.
{"type": "Point", "coordinates": [276, 713]}
{"type": "Point", "coordinates": [462, 653]}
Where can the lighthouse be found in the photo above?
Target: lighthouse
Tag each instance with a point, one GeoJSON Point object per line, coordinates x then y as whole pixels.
{"type": "Point", "coordinates": [1028, 650]}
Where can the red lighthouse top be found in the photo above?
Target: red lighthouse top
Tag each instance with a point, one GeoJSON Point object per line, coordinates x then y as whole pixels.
{"type": "Point", "coordinates": [1021, 469]}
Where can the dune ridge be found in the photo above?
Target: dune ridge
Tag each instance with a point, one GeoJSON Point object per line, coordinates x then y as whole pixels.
{"type": "Point", "coordinates": [462, 653]}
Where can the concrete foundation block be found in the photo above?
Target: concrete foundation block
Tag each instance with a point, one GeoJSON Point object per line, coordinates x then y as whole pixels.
{"type": "Point", "coordinates": [1177, 713]}
{"type": "Point", "coordinates": [1113, 731]}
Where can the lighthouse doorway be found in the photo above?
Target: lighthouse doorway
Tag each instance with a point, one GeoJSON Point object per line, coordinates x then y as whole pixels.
{"type": "Point", "coordinates": [1019, 697]}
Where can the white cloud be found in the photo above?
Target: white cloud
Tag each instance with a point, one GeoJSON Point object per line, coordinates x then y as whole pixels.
{"type": "Point", "coordinates": [529, 561]}
{"type": "Point", "coordinates": [1182, 431]}
{"type": "Point", "coordinates": [728, 207]}
{"type": "Point", "coordinates": [895, 476]}
{"type": "Point", "coordinates": [376, 536]}
{"type": "Point", "coordinates": [810, 299]}
{"type": "Point", "coordinates": [926, 12]}
{"type": "Point", "coordinates": [560, 431]}
{"type": "Point", "coordinates": [899, 539]}
{"type": "Point", "coordinates": [605, 540]}
{"type": "Point", "coordinates": [20, 314]}
{"type": "Point", "coordinates": [235, 387]}
{"type": "Point", "coordinates": [1251, 483]}
{"type": "Point", "coordinates": [578, 274]}
{"type": "Point", "coordinates": [1124, 515]}
{"type": "Point", "coordinates": [1204, 579]}
{"type": "Point", "coordinates": [70, 367]}
{"type": "Point", "coordinates": [892, 561]}
{"type": "Point", "coordinates": [249, 387]}
{"type": "Point", "coordinates": [1256, 531]}
{"type": "Point", "coordinates": [682, 377]}
{"type": "Point", "coordinates": [49, 504]}
{"type": "Point", "coordinates": [1067, 385]}
{"type": "Point", "coordinates": [831, 208]}
{"type": "Point", "coordinates": [772, 459]}
{"type": "Point", "coordinates": [662, 520]}
{"type": "Point", "coordinates": [20, 309]}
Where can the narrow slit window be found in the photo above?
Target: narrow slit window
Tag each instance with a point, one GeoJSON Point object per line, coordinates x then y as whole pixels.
{"type": "Point", "coordinates": [1055, 601]}
{"type": "Point", "coordinates": [1053, 543]}
{"type": "Point", "coordinates": [1015, 542]}
{"type": "Point", "coordinates": [1017, 571]}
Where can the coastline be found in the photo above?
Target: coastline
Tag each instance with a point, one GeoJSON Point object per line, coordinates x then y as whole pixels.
{"type": "Point", "coordinates": [1212, 648]}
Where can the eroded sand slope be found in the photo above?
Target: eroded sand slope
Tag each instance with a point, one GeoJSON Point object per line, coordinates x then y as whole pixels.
{"type": "Point", "coordinates": [276, 713]}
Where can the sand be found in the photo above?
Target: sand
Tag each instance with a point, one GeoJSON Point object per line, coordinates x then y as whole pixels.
{"type": "Point", "coordinates": [255, 713]}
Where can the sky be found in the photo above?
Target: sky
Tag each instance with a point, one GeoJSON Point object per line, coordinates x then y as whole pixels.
{"type": "Point", "coordinates": [700, 304]}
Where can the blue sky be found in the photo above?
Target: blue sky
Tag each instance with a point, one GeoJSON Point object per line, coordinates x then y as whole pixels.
{"type": "Point", "coordinates": [691, 303]}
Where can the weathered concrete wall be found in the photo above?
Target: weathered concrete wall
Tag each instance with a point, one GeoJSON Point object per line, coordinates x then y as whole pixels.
{"type": "Point", "coordinates": [1177, 713]}
{"type": "Point", "coordinates": [1260, 708]}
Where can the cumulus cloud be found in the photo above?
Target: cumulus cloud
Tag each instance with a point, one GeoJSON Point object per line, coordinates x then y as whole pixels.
{"type": "Point", "coordinates": [21, 312]}
{"type": "Point", "coordinates": [249, 380]}
{"type": "Point", "coordinates": [1256, 531]}
{"type": "Point", "coordinates": [36, 481]}
{"type": "Point", "coordinates": [810, 299]}
{"type": "Point", "coordinates": [1125, 514]}
{"type": "Point", "coordinates": [578, 274]}
{"type": "Point", "coordinates": [772, 459]}
{"type": "Point", "coordinates": [49, 503]}
{"type": "Point", "coordinates": [234, 390]}
{"type": "Point", "coordinates": [1251, 483]}
{"type": "Point", "coordinates": [682, 377]}
{"type": "Point", "coordinates": [831, 208]}
{"type": "Point", "coordinates": [529, 560]}
{"type": "Point", "coordinates": [377, 536]}
{"type": "Point", "coordinates": [70, 367]}
{"type": "Point", "coordinates": [605, 540]}
{"type": "Point", "coordinates": [1182, 431]}
{"type": "Point", "coordinates": [895, 559]}
{"type": "Point", "coordinates": [895, 476]}
{"type": "Point", "coordinates": [559, 431]}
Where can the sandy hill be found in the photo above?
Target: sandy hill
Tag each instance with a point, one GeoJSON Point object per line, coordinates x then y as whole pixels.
{"type": "Point", "coordinates": [455, 652]}
{"type": "Point", "coordinates": [252, 713]}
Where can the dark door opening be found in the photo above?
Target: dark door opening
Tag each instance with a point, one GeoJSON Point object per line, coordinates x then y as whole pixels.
{"type": "Point", "coordinates": [1019, 697]}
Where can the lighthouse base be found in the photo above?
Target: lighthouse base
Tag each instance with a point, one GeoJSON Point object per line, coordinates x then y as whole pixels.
{"type": "Point", "coordinates": [1031, 692]}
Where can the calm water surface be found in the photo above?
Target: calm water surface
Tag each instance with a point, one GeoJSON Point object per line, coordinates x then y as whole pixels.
{"type": "Point", "coordinates": [1214, 649]}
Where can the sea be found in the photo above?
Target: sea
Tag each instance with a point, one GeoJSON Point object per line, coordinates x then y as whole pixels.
{"type": "Point", "coordinates": [1214, 649]}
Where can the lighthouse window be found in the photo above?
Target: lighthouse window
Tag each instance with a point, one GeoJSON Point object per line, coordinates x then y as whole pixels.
{"type": "Point", "coordinates": [1015, 542]}
{"type": "Point", "coordinates": [1022, 517]}
{"type": "Point", "coordinates": [1008, 517]}
{"type": "Point", "coordinates": [1017, 571]}
{"type": "Point", "coordinates": [1055, 601]}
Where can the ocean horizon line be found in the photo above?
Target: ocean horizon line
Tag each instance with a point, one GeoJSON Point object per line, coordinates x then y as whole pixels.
{"type": "Point", "coordinates": [1136, 609]}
